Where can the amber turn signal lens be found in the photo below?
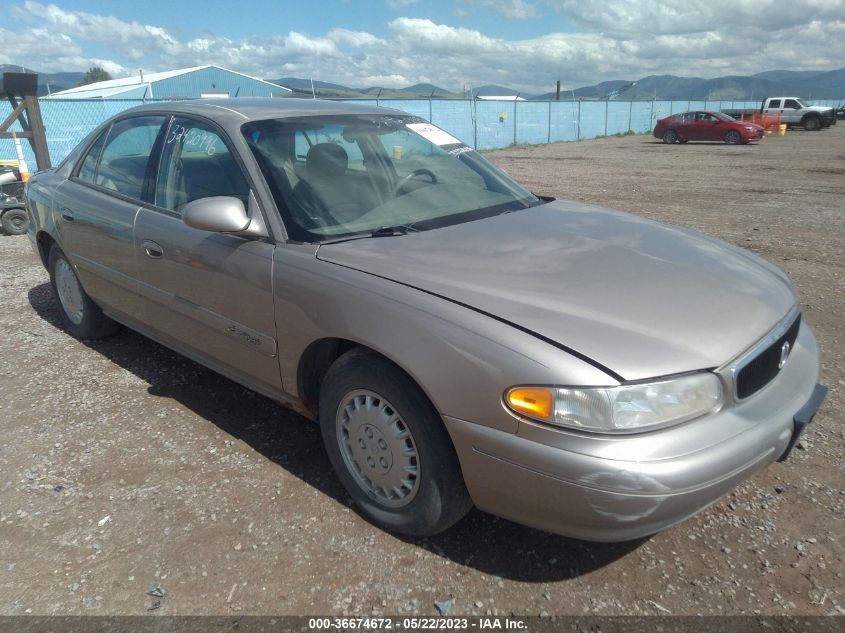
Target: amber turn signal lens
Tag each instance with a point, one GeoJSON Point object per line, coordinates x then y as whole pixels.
{"type": "Point", "coordinates": [536, 402]}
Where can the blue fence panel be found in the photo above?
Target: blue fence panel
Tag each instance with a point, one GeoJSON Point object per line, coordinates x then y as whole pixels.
{"type": "Point", "coordinates": [532, 122]}
{"type": "Point", "coordinates": [417, 107]}
{"type": "Point", "coordinates": [641, 116]}
{"type": "Point", "coordinates": [678, 106]}
{"type": "Point", "coordinates": [618, 117]}
{"type": "Point", "coordinates": [456, 118]}
{"type": "Point", "coordinates": [66, 122]}
{"type": "Point", "coordinates": [564, 121]}
{"type": "Point", "coordinates": [485, 124]}
{"type": "Point", "coordinates": [592, 119]}
{"type": "Point", "coordinates": [662, 109]}
{"type": "Point", "coordinates": [494, 120]}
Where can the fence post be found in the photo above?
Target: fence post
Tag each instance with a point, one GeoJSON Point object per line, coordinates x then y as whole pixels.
{"type": "Point", "coordinates": [514, 121]}
{"type": "Point", "coordinates": [549, 139]}
{"type": "Point", "coordinates": [578, 123]}
{"type": "Point", "coordinates": [651, 116]}
{"type": "Point", "coordinates": [429, 109]}
{"type": "Point", "coordinates": [606, 107]}
{"type": "Point", "coordinates": [474, 124]}
{"type": "Point", "coordinates": [630, 114]}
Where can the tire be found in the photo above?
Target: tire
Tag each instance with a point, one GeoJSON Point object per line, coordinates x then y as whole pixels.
{"type": "Point", "coordinates": [812, 123]}
{"type": "Point", "coordinates": [15, 221]}
{"type": "Point", "coordinates": [732, 137]}
{"type": "Point", "coordinates": [683, 140]}
{"type": "Point", "coordinates": [79, 314]}
{"type": "Point", "coordinates": [670, 136]}
{"type": "Point", "coordinates": [371, 410]}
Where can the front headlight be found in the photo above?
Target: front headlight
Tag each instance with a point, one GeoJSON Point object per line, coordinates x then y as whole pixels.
{"type": "Point", "coordinates": [750, 128]}
{"type": "Point", "coordinates": [630, 408]}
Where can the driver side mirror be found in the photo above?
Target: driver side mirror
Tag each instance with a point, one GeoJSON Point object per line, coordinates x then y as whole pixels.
{"type": "Point", "coordinates": [221, 214]}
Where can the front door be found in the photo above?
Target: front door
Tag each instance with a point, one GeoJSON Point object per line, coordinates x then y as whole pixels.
{"type": "Point", "coordinates": [791, 112]}
{"type": "Point", "coordinates": [96, 209]}
{"type": "Point", "coordinates": [207, 294]}
{"type": "Point", "coordinates": [710, 128]}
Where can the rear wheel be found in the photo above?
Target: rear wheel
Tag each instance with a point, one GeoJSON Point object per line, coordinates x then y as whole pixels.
{"type": "Point", "coordinates": [80, 315]}
{"type": "Point", "coordinates": [670, 136]}
{"type": "Point", "coordinates": [682, 140]}
{"type": "Point", "coordinates": [15, 221]}
{"type": "Point", "coordinates": [389, 447]}
{"type": "Point", "coordinates": [733, 137]}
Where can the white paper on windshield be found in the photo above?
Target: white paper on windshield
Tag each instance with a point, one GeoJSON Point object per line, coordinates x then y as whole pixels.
{"type": "Point", "coordinates": [432, 134]}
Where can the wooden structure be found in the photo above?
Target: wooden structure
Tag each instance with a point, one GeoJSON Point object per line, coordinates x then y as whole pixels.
{"type": "Point", "coordinates": [21, 91]}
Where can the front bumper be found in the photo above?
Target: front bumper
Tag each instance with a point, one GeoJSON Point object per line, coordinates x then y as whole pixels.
{"type": "Point", "coordinates": [602, 488]}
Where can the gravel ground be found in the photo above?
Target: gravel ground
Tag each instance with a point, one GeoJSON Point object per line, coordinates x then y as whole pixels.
{"type": "Point", "coordinates": [126, 465]}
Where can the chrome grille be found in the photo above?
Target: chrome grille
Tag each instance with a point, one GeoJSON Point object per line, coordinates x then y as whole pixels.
{"type": "Point", "coordinates": [757, 372]}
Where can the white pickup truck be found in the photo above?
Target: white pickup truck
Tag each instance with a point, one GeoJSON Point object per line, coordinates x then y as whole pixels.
{"type": "Point", "coordinates": [792, 110]}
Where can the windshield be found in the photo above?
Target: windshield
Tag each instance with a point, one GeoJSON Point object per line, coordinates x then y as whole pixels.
{"type": "Point", "coordinates": [801, 103]}
{"type": "Point", "coordinates": [723, 117]}
{"type": "Point", "coordinates": [342, 175]}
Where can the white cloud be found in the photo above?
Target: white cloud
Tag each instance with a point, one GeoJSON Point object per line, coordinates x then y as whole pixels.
{"type": "Point", "coordinates": [696, 16]}
{"type": "Point", "coordinates": [615, 39]}
{"type": "Point", "coordinates": [357, 39]}
{"type": "Point", "coordinates": [400, 4]}
{"type": "Point", "coordinates": [112, 68]}
{"type": "Point", "coordinates": [511, 9]}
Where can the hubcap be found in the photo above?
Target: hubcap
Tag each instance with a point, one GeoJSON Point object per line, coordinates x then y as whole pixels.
{"type": "Point", "coordinates": [378, 448]}
{"type": "Point", "coordinates": [18, 221]}
{"type": "Point", "coordinates": [69, 290]}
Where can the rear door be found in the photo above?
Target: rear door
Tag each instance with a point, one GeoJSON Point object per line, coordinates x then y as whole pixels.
{"type": "Point", "coordinates": [774, 106]}
{"type": "Point", "coordinates": [96, 208]}
{"type": "Point", "coordinates": [207, 294]}
{"type": "Point", "coordinates": [692, 129]}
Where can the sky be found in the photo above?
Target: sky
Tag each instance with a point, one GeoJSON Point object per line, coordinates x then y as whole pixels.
{"type": "Point", "coordinates": [523, 44]}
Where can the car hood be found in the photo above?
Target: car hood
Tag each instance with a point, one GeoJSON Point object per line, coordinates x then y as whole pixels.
{"type": "Point", "coordinates": [638, 297]}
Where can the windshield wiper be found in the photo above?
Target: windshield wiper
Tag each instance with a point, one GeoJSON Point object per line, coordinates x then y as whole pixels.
{"type": "Point", "coordinates": [382, 231]}
{"type": "Point", "coordinates": [390, 231]}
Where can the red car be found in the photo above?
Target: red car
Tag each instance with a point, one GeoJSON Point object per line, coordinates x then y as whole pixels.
{"type": "Point", "coordinates": [707, 126]}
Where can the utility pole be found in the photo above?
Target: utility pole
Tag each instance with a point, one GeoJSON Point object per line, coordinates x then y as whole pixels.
{"type": "Point", "coordinates": [557, 91]}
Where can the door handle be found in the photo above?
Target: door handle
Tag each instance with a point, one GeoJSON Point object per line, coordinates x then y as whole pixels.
{"type": "Point", "coordinates": [66, 214]}
{"type": "Point", "coordinates": [152, 249]}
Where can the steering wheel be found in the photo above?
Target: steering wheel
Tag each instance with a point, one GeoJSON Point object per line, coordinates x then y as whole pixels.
{"type": "Point", "coordinates": [417, 172]}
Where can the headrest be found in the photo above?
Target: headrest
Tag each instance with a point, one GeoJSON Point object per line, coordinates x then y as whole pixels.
{"type": "Point", "coordinates": [327, 160]}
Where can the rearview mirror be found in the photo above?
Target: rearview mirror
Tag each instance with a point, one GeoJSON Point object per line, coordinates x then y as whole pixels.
{"type": "Point", "coordinates": [221, 214]}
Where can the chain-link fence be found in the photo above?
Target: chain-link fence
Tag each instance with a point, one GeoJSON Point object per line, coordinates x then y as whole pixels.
{"type": "Point", "coordinates": [480, 124]}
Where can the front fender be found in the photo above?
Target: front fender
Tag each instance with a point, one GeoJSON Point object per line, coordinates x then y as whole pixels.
{"type": "Point", "coordinates": [463, 360]}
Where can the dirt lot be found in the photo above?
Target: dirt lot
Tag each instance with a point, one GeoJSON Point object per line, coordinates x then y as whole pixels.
{"type": "Point", "coordinates": [124, 464]}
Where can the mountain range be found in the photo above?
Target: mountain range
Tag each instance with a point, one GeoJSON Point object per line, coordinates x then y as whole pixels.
{"type": "Point", "coordinates": [806, 84]}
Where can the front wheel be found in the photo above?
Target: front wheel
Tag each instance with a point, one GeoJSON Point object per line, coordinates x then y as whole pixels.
{"type": "Point", "coordinates": [80, 315]}
{"type": "Point", "coordinates": [812, 123]}
{"type": "Point", "coordinates": [389, 447]}
{"type": "Point", "coordinates": [15, 221]}
{"type": "Point", "coordinates": [733, 138]}
{"type": "Point", "coordinates": [670, 136]}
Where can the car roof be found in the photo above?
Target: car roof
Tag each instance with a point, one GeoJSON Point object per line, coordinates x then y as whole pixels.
{"type": "Point", "coordinates": [237, 111]}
